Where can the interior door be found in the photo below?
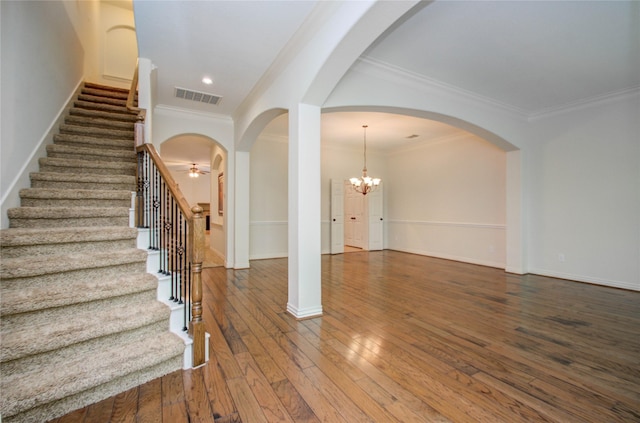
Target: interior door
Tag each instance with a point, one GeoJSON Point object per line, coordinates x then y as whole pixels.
{"type": "Point", "coordinates": [337, 217]}
{"type": "Point", "coordinates": [376, 224]}
{"type": "Point", "coordinates": [359, 219]}
{"type": "Point", "coordinates": [349, 218]}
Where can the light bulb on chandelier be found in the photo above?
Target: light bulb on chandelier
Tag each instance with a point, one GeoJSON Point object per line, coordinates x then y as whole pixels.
{"type": "Point", "coordinates": [365, 184]}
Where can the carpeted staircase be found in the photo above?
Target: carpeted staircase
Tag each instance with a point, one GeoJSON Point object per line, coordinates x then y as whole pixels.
{"type": "Point", "coordinates": [79, 317]}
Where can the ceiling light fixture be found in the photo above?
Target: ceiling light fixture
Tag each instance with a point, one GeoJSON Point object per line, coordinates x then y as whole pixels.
{"type": "Point", "coordinates": [206, 80]}
{"type": "Point", "coordinates": [365, 184]}
{"type": "Point", "coordinates": [194, 172]}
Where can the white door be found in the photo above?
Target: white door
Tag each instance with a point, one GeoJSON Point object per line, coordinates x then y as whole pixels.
{"type": "Point", "coordinates": [376, 226]}
{"type": "Point", "coordinates": [355, 223]}
{"type": "Point", "coordinates": [337, 217]}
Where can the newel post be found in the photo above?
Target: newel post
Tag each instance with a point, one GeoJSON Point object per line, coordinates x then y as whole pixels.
{"type": "Point", "coordinates": [196, 325]}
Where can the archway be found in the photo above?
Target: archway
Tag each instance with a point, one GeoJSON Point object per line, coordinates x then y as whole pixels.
{"type": "Point", "coordinates": [181, 153]}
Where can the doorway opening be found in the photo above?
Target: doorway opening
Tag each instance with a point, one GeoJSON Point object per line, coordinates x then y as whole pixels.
{"type": "Point", "coordinates": [356, 219]}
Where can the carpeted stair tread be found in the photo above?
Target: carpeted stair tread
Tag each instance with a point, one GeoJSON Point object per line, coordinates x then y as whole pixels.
{"type": "Point", "coordinates": [97, 122]}
{"type": "Point", "coordinates": [96, 86]}
{"type": "Point", "coordinates": [93, 142]}
{"type": "Point", "coordinates": [24, 267]}
{"type": "Point", "coordinates": [82, 181]}
{"type": "Point", "coordinates": [101, 92]}
{"type": "Point", "coordinates": [117, 196]}
{"type": "Point", "coordinates": [80, 321]}
{"type": "Point", "coordinates": [50, 329]}
{"type": "Point", "coordinates": [30, 296]}
{"type": "Point", "coordinates": [96, 132]}
{"type": "Point", "coordinates": [34, 236]}
{"type": "Point", "coordinates": [100, 106]}
{"type": "Point", "coordinates": [90, 166]}
{"type": "Point", "coordinates": [99, 114]}
{"type": "Point", "coordinates": [62, 151]}
{"type": "Point", "coordinates": [17, 242]}
{"type": "Point", "coordinates": [49, 379]}
{"type": "Point", "coordinates": [48, 217]}
{"type": "Point", "coordinates": [103, 100]}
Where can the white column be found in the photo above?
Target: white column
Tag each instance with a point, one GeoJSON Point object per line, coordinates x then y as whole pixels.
{"type": "Point", "coordinates": [305, 296]}
{"type": "Point", "coordinates": [241, 210]}
{"type": "Point", "coordinates": [515, 245]}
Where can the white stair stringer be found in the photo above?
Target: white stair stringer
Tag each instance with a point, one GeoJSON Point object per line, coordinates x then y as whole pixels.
{"type": "Point", "coordinates": [164, 293]}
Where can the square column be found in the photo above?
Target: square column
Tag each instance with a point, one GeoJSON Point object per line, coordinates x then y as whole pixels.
{"type": "Point", "coordinates": [241, 209]}
{"type": "Point", "coordinates": [305, 293]}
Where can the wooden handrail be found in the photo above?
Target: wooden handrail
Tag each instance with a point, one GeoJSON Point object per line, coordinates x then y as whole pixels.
{"type": "Point", "coordinates": [196, 245]}
{"type": "Point", "coordinates": [166, 175]}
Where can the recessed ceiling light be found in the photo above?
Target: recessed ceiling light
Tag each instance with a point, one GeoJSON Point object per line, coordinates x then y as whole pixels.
{"type": "Point", "coordinates": [207, 80]}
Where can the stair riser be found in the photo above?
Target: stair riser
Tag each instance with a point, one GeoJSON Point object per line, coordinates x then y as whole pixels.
{"type": "Point", "coordinates": [24, 296]}
{"type": "Point", "coordinates": [74, 222]}
{"type": "Point", "coordinates": [131, 171]}
{"type": "Point", "coordinates": [104, 107]}
{"type": "Point", "coordinates": [89, 142]}
{"type": "Point", "coordinates": [115, 117]}
{"type": "Point", "coordinates": [99, 123]}
{"type": "Point", "coordinates": [75, 202]}
{"type": "Point", "coordinates": [90, 157]}
{"type": "Point", "coordinates": [95, 273]}
{"type": "Point", "coordinates": [87, 397]}
{"type": "Point", "coordinates": [116, 316]}
{"type": "Point", "coordinates": [103, 100]}
{"type": "Point", "coordinates": [96, 132]}
{"type": "Point", "coordinates": [82, 185]}
{"type": "Point", "coordinates": [72, 247]}
{"type": "Point", "coordinates": [96, 92]}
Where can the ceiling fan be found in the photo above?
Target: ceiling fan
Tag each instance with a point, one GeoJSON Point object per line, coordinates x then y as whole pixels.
{"type": "Point", "coordinates": [194, 172]}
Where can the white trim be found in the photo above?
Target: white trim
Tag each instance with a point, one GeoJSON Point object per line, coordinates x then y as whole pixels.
{"type": "Point", "coordinates": [272, 255]}
{"type": "Point", "coordinates": [304, 313]}
{"type": "Point", "coordinates": [462, 259]}
{"type": "Point", "coordinates": [388, 71]}
{"type": "Point", "coordinates": [587, 279]}
{"type": "Point", "coordinates": [451, 224]}
{"type": "Point", "coordinates": [584, 103]}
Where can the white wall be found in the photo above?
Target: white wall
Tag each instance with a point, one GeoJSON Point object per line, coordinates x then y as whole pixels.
{"type": "Point", "coordinates": [195, 190]}
{"type": "Point", "coordinates": [457, 212]}
{"type": "Point", "coordinates": [342, 163]}
{"type": "Point", "coordinates": [268, 198]}
{"type": "Point", "coordinates": [447, 199]}
{"type": "Point", "coordinates": [169, 123]}
{"type": "Point", "coordinates": [585, 194]}
{"type": "Point", "coordinates": [217, 235]}
{"type": "Point", "coordinates": [268, 214]}
{"type": "Point", "coordinates": [41, 67]}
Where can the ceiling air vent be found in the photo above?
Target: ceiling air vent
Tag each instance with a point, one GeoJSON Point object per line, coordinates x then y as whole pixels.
{"type": "Point", "coordinates": [198, 96]}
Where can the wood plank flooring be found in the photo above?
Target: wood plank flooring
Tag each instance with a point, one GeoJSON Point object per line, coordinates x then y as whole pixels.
{"type": "Point", "coordinates": [403, 338]}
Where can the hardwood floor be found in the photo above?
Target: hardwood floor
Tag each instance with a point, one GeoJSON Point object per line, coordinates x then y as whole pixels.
{"type": "Point", "coordinates": [403, 338]}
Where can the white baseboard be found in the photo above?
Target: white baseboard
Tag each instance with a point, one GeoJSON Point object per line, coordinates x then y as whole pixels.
{"type": "Point", "coordinates": [633, 286]}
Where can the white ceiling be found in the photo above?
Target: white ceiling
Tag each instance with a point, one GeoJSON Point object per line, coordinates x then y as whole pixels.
{"type": "Point", "coordinates": [530, 56]}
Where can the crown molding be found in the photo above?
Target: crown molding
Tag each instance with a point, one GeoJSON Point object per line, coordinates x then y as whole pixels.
{"type": "Point", "coordinates": [403, 76]}
{"type": "Point", "coordinates": [585, 103]}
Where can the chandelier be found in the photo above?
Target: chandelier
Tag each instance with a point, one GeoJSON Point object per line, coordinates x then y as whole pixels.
{"type": "Point", "coordinates": [365, 184]}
